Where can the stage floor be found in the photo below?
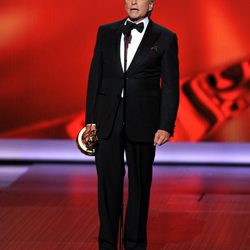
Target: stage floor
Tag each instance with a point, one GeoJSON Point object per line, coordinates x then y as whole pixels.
{"type": "Point", "coordinates": [54, 206]}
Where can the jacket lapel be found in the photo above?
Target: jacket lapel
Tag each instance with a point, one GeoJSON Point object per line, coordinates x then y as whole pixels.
{"type": "Point", "coordinates": [117, 43]}
{"type": "Point", "coordinates": [147, 42]}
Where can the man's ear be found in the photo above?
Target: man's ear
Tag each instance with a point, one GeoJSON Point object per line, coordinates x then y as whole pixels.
{"type": "Point", "coordinates": [150, 7]}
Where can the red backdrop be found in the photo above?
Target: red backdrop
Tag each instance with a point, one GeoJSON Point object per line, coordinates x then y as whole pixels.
{"type": "Point", "coordinates": [46, 48]}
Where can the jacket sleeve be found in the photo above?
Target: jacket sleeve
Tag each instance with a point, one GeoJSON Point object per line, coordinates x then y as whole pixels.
{"type": "Point", "coordinates": [170, 87]}
{"type": "Point", "coordinates": [94, 79]}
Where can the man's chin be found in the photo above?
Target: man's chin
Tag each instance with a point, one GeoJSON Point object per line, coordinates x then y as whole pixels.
{"type": "Point", "coordinates": [135, 19]}
{"type": "Point", "coordinates": [132, 18]}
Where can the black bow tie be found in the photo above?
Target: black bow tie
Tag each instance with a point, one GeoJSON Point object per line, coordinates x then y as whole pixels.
{"type": "Point", "coordinates": [129, 26]}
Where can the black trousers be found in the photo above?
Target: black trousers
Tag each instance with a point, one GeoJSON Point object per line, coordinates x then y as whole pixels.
{"type": "Point", "coordinates": [110, 172]}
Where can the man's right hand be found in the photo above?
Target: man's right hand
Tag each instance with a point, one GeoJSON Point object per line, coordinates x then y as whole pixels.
{"type": "Point", "coordinates": [89, 127]}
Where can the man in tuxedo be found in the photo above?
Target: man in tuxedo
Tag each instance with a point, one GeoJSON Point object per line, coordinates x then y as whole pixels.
{"type": "Point", "coordinates": [132, 102]}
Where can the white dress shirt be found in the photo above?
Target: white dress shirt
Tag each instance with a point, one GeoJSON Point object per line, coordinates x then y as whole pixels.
{"type": "Point", "coordinates": [133, 45]}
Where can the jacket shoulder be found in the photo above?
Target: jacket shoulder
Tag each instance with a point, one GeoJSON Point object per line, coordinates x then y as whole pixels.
{"type": "Point", "coordinates": [163, 30]}
{"type": "Point", "coordinates": [111, 26]}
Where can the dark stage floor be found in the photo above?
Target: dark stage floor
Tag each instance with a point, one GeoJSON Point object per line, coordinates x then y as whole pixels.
{"type": "Point", "coordinates": [54, 206]}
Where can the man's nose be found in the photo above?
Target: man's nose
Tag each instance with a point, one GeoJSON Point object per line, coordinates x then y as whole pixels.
{"type": "Point", "coordinates": [134, 1]}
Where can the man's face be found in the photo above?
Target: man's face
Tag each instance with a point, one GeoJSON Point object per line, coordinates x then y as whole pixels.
{"type": "Point", "coordinates": [138, 9]}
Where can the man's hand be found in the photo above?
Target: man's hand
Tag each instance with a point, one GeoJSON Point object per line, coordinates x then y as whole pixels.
{"type": "Point", "coordinates": [88, 128]}
{"type": "Point", "coordinates": [161, 136]}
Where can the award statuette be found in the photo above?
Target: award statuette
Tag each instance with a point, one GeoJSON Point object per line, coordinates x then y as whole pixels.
{"type": "Point", "coordinates": [86, 141]}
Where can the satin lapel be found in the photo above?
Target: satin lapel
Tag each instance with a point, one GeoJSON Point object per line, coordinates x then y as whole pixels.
{"type": "Point", "coordinates": [147, 42]}
{"type": "Point", "coordinates": [117, 42]}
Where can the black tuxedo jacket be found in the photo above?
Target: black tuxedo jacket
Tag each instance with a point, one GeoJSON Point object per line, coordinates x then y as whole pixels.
{"type": "Point", "coordinates": [152, 83]}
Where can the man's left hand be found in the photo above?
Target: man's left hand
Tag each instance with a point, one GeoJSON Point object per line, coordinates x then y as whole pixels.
{"type": "Point", "coordinates": [161, 137]}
